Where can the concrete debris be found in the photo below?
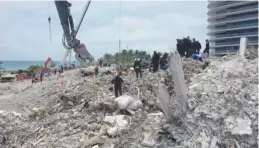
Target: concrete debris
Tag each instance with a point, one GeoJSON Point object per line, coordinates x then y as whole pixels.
{"type": "Point", "coordinates": [147, 140]}
{"type": "Point", "coordinates": [221, 106]}
{"type": "Point", "coordinates": [94, 140]}
{"type": "Point", "coordinates": [239, 126]}
{"type": "Point", "coordinates": [96, 146]}
{"type": "Point", "coordinates": [127, 102]}
{"type": "Point", "coordinates": [83, 112]}
{"type": "Point", "coordinates": [115, 124]}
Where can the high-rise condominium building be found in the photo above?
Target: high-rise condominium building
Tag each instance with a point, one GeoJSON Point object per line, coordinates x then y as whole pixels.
{"type": "Point", "coordinates": [230, 20]}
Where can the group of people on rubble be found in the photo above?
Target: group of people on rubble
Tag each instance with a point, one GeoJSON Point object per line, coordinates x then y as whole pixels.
{"type": "Point", "coordinates": [187, 47]}
{"type": "Point", "coordinates": [47, 71]}
{"type": "Point", "coordinates": [138, 66]}
{"type": "Point", "coordinates": [156, 61]}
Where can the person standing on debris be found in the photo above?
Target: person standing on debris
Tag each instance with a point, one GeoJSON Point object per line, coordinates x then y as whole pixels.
{"type": "Point", "coordinates": [137, 67]}
{"type": "Point", "coordinates": [101, 63]}
{"type": "Point", "coordinates": [33, 80]}
{"type": "Point", "coordinates": [198, 46]}
{"type": "Point", "coordinates": [41, 75]}
{"type": "Point", "coordinates": [96, 70]}
{"type": "Point", "coordinates": [179, 47]}
{"type": "Point", "coordinates": [185, 46]}
{"type": "Point", "coordinates": [55, 71]}
{"type": "Point", "coordinates": [61, 69]}
{"type": "Point", "coordinates": [155, 61]}
{"type": "Point", "coordinates": [206, 50]}
{"type": "Point", "coordinates": [117, 81]}
{"type": "Point", "coordinates": [194, 46]}
{"type": "Point", "coordinates": [163, 60]}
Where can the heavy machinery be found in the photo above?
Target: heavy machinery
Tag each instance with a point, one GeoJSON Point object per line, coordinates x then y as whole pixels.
{"type": "Point", "coordinates": [70, 32]}
{"type": "Point", "coordinates": [52, 64]}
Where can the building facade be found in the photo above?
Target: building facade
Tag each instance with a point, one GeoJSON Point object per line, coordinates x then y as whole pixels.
{"type": "Point", "coordinates": [228, 21]}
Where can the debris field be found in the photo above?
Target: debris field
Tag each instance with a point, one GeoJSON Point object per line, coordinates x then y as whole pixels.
{"type": "Point", "coordinates": [76, 111]}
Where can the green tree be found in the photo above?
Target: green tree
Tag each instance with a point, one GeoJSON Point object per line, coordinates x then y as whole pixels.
{"type": "Point", "coordinates": [35, 68]}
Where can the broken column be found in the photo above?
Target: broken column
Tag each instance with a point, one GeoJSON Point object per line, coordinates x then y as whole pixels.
{"type": "Point", "coordinates": [166, 102]}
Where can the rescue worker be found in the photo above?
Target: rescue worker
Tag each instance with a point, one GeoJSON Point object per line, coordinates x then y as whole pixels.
{"type": "Point", "coordinates": [155, 61]}
{"type": "Point", "coordinates": [41, 75]}
{"type": "Point", "coordinates": [96, 70]}
{"type": "Point", "coordinates": [187, 46]}
{"type": "Point", "coordinates": [33, 80]}
{"type": "Point", "coordinates": [61, 69]}
{"type": "Point", "coordinates": [55, 71]}
{"type": "Point", "coordinates": [194, 46]}
{"type": "Point", "coordinates": [101, 63]}
{"type": "Point", "coordinates": [163, 60]}
{"type": "Point", "coordinates": [179, 46]}
{"type": "Point", "coordinates": [197, 57]}
{"type": "Point", "coordinates": [137, 67]}
{"type": "Point", "coordinates": [206, 50]}
{"type": "Point", "coordinates": [117, 81]}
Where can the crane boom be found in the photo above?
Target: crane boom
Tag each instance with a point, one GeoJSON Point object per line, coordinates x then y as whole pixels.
{"type": "Point", "coordinates": [63, 8]}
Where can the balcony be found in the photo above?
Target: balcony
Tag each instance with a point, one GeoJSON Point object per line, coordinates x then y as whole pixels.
{"type": "Point", "coordinates": [251, 42]}
{"type": "Point", "coordinates": [228, 5]}
{"type": "Point", "coordinates": [230, 37]}
{"type": "Point", "coordinates": [227, 43]}
{"type": "Point", "coordinates": [221, 50]}
{"type": "Point", "coordinates": [237, 9]}
{"type": "Point", "coordinates": [212, 18]}
{"type": "Point", "coordinates": [215, 4]}
{"type": "Point", "coordinates": [237, 34]}
{"type": "Point", "coordinates": [237, 26]}
{"type": "Point", "coordinates": [213, 31]}
{"type": "Point", "coordinates": [226, 51]}
{"type": "Point", "coordinates": [233, 20]}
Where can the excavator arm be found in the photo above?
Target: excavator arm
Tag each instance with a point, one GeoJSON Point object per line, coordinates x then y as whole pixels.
{"type": "Point", "coordinates": [70, 32]}
{"type": "Point", "coordinates": [46, 63]}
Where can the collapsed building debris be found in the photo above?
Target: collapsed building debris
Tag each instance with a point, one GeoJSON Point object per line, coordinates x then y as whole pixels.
{"type": "Point", "coordinates": [221, 110]}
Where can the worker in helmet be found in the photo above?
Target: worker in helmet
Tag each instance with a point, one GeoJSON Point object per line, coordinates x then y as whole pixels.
{"type": "Point", "coordinates": [137, 67]}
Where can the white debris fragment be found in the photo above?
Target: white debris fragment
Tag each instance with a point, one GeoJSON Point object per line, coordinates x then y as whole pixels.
{"type": "Point", "coordinates": [242, 127]}
{"type": "Point", "coordinates": [238, 126]}
{"type": "Point", "coordinates": [148, 140]}
{"type": "Point", "coordinates": [128, 102]}
{"type": "Point", "coordinates": [213, 142]}
{"type": "Point", "coordinates": [116, 124]}
{"type": "Point", "coordinates": [96, 146]}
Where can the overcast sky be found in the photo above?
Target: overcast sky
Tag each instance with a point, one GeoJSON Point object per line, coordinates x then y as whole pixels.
{"type": "Point", "coordinates": [144, 25]}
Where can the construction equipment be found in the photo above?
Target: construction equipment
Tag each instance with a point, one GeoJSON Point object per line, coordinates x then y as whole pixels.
{"type": "Point", "coordinates": [52, 64]}
{"type": "Point", "coordinates": [70, 32]}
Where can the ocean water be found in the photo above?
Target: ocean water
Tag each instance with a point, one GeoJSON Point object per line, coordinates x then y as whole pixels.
{"type": "Point", "coordinates": [15, 65]}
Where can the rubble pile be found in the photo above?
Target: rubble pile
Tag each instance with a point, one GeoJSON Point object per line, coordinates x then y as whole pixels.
{"type": "Point", "coordinates": [73, 114]}
{"type": "Point", "coordinates": [222, 107]}
{"type": "Point", "coordinates": [77, 110]}
{"type": "Point", "coordinates": [191, 68]}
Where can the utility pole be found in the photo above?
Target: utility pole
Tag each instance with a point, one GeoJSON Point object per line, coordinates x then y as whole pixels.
{"type": "Point", "coordinates": [120, 26]}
